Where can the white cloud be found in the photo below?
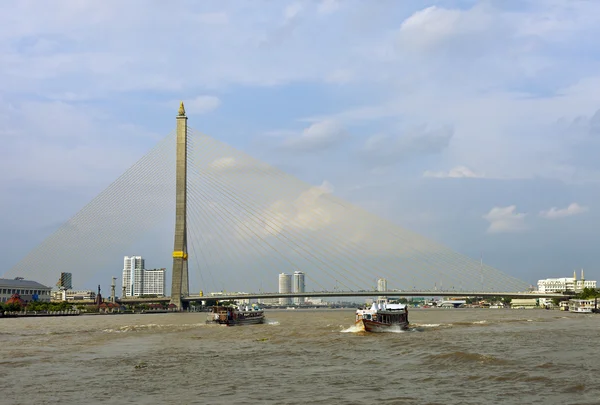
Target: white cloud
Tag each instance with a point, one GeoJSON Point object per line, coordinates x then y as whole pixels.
{"type": "Point", "coordinates": [212, 18]}
{"type": "Point", "coordinates": [223, 163]}
{"type": "Point", "coordinates": [292, 11]}
{"type": "Point", "coordinates": [457, 172]}
{"type": "Point", "coordinates": [384, 150]}
{"type": "Point", "coordinates": [505, 219]}
{"type": "Point", "coordinates": [328, 6]}
{"type": "Point", "coordinates": [201, 104]}
{"type": "Point", "coordinates": [572, 209]}
{"type": "Point", "coordinates": [320, 135]}
{"type": "Point", "coordinates": [340, 76]}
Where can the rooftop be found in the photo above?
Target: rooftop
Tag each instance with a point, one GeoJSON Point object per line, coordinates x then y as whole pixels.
{"type": "Point", "coordinates": [20, 283]}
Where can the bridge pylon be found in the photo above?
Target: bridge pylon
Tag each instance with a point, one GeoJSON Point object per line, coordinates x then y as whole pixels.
{"type": "Point", "coordinates": [180, 282]}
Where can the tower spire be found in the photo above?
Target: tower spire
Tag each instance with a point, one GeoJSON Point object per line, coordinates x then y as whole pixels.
{"type": "Point", "coordinates": [180, 282]}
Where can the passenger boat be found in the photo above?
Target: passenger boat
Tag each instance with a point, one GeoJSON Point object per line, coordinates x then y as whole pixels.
{"type": "Point", "coordinates": [382, 317]}
{"type": "Point", "coordinates": [234, 315]}
{"type": "Point", "coordinates": [581, 306]}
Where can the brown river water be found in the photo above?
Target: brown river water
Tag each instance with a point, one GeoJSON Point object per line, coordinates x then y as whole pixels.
{"type": "Point", "coordinates": [449, 356]}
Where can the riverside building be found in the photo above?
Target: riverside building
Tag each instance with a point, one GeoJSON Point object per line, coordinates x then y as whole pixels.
{"type": "Point", "coordinates": [28, 290]}
{"type": "Point", "coordinates": [299, 286]}
{"type": "Point", "coordinates": [559, 285]}
{"type": "Point", "coordinates": [381, 286]}
{"type": "Point", "coordinates": [137, 280]}
{"type": "Point", "coordinates": [285, 287]}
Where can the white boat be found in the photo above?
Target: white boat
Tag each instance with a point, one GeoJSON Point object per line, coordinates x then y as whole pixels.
{"type": "Point", "coordinates": [581, 306]}
{"type": "Point", "coordinates": [382, 316]}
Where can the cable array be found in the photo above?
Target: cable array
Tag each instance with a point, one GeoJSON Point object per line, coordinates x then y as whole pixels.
{"type": "Point", "coordinates": [97, 237]}
{"type": "Point", "coordinates": [248, 222]}
{"type": "Point", "coordinates": [262, 221]}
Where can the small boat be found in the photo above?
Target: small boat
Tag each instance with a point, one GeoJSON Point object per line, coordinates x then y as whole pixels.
{"type": "Point", "coordinates": [235, 315]}
{"type": "Point", "coordinates": [382, 317]}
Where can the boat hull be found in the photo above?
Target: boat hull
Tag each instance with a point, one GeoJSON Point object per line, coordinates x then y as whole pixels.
{"type": "Point", "coordinates": [581, 310]}
{"type": "Point", "coordinates": [229, 318]}
{"type": "Point", "coordinates": [374, 326]}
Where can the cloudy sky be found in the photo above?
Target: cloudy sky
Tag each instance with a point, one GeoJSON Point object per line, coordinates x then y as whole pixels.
{"type": "Point", "coordinates": [476, 124]}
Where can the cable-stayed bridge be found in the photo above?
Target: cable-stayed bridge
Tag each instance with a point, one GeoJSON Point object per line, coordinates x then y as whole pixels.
{"type": "Point", "coordinates": [239, 223]}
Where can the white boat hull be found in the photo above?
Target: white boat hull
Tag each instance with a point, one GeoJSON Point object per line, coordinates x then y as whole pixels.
{"type": "Point", "coordinates": [581, 310]}
{"type": "Point", "coordinates": [374, 326]}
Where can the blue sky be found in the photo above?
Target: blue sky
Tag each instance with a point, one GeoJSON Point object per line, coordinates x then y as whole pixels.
{"type": "Point", "coordinates": [473, 123]}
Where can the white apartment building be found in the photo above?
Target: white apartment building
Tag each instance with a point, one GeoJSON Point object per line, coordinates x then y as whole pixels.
{"type": "Point", "coordinates": [298, 286]}
{"type": "Point", "coordinates": [139, 281]}
{"type": "Point", "coordinates": [560, 285]}
{"type": "Point", "coordinates": [381, 286]}
{"type": "Point", "coordinates": [285, 287]}
{"type": "Point", "coordinates": [154, 282]}
{"type": "Point", "coordinates": [131, 284]}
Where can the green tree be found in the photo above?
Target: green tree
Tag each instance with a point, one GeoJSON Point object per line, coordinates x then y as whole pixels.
{"type": "Point", "coordinates": [13, 307]}
{"type": "Point", "coordinates": [588, 293]}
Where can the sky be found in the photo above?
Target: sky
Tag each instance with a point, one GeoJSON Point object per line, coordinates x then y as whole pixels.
{"type": "Point", "coordinates": [476, 124]}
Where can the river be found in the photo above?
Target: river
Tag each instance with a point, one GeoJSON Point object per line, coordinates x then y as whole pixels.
{"type": "Point", "coordinates": [449, 356]}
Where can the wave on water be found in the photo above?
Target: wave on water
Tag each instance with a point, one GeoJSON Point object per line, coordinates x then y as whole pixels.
{"type": "Point", "coordinates": [153, 326]}
{"type": "Point", "coordinates": [465, 357]}
{"type": "Point", "coordinates": [272, 322]}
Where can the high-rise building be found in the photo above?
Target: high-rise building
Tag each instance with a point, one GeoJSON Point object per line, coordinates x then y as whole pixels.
{"type": "Point", "coordinates": [133, 267]}
{"type": "Point", "coordinates": [285, 287]}
{"type": "Point", "coordinates": [65, 281]}
{"type": "Point", "coordinates": [381, 286]}
{"type": "Point", "coordinates": [137, 280]}
{"type": "Point", "coordinates": [298, 286]}
{"type": "Point", "coordinates": [154, 281]}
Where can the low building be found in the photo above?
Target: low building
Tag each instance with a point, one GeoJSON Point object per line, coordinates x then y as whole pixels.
{"type": "Point", "coordinates": [73, 295]}
{"type": "Point", "coordinates": [28, 290]}
{"type": "Point", "coordinates": [523, 303]}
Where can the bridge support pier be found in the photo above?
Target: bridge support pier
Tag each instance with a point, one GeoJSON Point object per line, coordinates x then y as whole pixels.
{"type": "Point", "coordinates": [180, 281]}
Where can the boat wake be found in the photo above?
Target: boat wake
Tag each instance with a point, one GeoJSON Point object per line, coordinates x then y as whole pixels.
{"type": "Point", "coordinates": [272, 322]}
{"type": "Point", "coordinates": [152, 327]}
{"type": "Point", "coordinates": [353, 329]}
{"type": "Point", "coordinates": [392, 329]}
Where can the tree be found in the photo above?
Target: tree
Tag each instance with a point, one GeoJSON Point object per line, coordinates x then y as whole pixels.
{"type": "Point", "coordinates": [588, 293]}
{"type": "Point", "coordinates": [13, 307]}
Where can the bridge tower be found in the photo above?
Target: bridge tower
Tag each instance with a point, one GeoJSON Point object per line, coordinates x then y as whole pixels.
{"type": "Point", "coordinates": [180, 283]}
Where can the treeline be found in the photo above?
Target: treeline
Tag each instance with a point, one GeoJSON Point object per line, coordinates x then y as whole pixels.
{"type": "Point", "coordinates": [36, 306]}
{"type": "Point", "coordinates": [588, 293]}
